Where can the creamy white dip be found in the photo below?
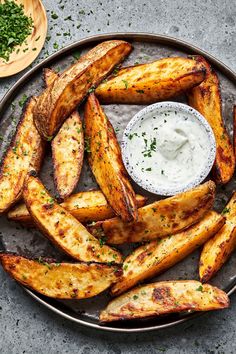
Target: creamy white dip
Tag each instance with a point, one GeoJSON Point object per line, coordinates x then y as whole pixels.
{"type": "Point", "coordinates": [168, 148]}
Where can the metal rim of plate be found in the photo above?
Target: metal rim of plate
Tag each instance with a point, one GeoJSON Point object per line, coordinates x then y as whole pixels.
{"type": "Point", "coordinates": [129, 36]}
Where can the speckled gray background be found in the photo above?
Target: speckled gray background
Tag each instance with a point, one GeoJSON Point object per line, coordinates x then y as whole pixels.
{"type": "Point", "coordinates": [27, 327]}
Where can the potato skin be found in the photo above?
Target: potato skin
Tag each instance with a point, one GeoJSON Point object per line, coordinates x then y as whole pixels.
{"type": "Point", "coordinates": [106, 162]}
{"type": "Point", "coordinates": [206, 98]}
{"type": "Point", "coordinates": [66, 232]}
{"type": "Point", "coordinates": [161, 218]}
{"type": "Point", "coordinates": [68, 155]}
{"type": "Point", "coordinates": [218, 249]}
{"type": "Point", "coordinates": [152, 82]}
{"type": "Point", "coordinates": [24, 153]}
{"type": "Point", "coordinates": [61, 98]}
{"type": "Point", "coordinates": [84, 206]}
{"type": "Point", "coordinates": [49, 76]}
{"type": "Point", "coordinates": [163, 298]}
{"type": "Point", "coordinates": [60, 280]}
{"type": "Point", "coordinates": [155, 257]}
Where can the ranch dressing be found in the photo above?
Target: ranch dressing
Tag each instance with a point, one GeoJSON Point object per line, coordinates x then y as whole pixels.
{"type": "Point", "coordinates": [167, 148]}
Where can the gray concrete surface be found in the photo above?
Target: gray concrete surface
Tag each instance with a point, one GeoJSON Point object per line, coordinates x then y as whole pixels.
{"type": "Point", "coordinates": [27, 327]}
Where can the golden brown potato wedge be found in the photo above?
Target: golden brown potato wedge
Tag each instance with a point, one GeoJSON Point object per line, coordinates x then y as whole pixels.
{"type": "Point", "coordinates": [206, 98]}
{"type": "Point", "coordinates": [49, 76]}
{"type": "Point", "coordinates": [157, 256]}
{"type": "Point", "coordinates": [67, 148]}
{"type": "Point", "coordinates": [163, 298]}
{"type": "Point", "coordinates": [60, 99]}
{"type": "Point", "coordinates": [162, 218]}
{"type": "Point", "coordinates": [60, 280]}
{"type": "Point", "coordinates": [85, 206]}
{"type": "Point", "coordinates": [68, 154]}
{"type": "Point", "coordinates": [152, 82]}
{"type": "Point", "coordinates": [24, 153]}
{"type": "Point", "coordinates": [62, 228]}
{"type": "Point", "coordinates": [217, 250]}
{"type": "Point", "coordinates": [106, 162]}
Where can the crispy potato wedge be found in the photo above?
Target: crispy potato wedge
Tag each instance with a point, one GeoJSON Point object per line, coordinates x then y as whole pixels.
{"type": "Point", "coordinates": [67, 148]}
{"type": "Point", "coordinates": [217, 250]}
{"type": "Point", "coordinates": [157, 256]}
{"type": "Point", "coordinates": [152, 82]}
{"type": "Point", "coordinates": [206, 98]}
{"type": "Point", "coordinates": [68, 154]}
{"type": "Point", "coordinates": [62, 228]}
{"type": "Point", "coordinates": [84, 206]}
{"type": "Point", "coordinates": [163, 298]}
{"type": "Point", "coordinates": [60, 99]}
{"type": "Point", "coordinates": [49, 76]}
{"type": "Point", "coordinates": [24, 153]}
{"type": "Point", "coordinates": [106, 162]}
{"type": "Point", "coordinates": [162, 218]}
{"type": "Point", "coordinates": [60, 280]}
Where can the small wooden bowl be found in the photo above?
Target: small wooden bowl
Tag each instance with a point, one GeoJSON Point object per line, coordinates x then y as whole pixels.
{"type": "Point", "coordinates": [19, 61]}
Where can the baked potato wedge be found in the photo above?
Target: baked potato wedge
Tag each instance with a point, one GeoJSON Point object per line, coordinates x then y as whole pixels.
{"type": "Point", "coordinates": [68, 154]}
{"type": "Point", "coordinates": [206, 98]}
{"type": "Point", "coordinates": [162, 218]}
{"type": "Point", "coordinates": [60, 280]}
{"type": "Point", "coordinates": [157, 256]}
{"type": "Point", "coordinates": [24, 153]}
{"type": "Point", "coordinates": [217, 250]}
{"type": "Point", "coordinates": [62, 228]}
{"type": "Point", "coordinates": [84, 206]}
{"type": "Point", "coordinates": [61, 98]}
{"type": "Point", "coordinates": [163, 298]}
{"type": "Point", "coordinates": [67, 148]}
{"type": "Point", "coordinates": [152, 82]}
{"type": "Point", "coordinates": [106, 163]}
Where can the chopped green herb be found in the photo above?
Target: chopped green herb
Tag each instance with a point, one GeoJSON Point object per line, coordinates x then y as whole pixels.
{"type": "Point", "coordinates": [148, 150]}
{"type": "Point", "coordinates": [126, 83]}
{"type": "Point", "coordinates": [225, 210]}
{"type": "Point", "coordinates": [135, 297]}
{"type": "Point", "coordinates": [102, 241]}
{"type": "Point", "coordinates": [15, 27]}
{"type": "Point", "coordinates": [23, 100]}
{"type": "Point", "coordinates": [76, 54]}
{"type": "Point", "coordinates": [54, 16]}
{"type": "Point", "coordinates": [92, 89]}
{"type": "Point", "coordinates": [116, 70]}
{"type": "Point", "coordinates": [50, 201]}
{"type": "Point", "coordinates": [55, 45]}
{"type": "Point", "coordinates": [140, 91]}
{"type": "Point", "coordinates": [68, 18]}
{"type": "Point", "coordinates": [87, 144]}
{"type": "Point", "coordinates": [200, 288]}
{"type": "Point", "coordinates": [41, 261]}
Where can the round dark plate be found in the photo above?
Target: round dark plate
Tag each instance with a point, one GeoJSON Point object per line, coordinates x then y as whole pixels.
{"type": "Point", "coordinates": [15, 238]}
